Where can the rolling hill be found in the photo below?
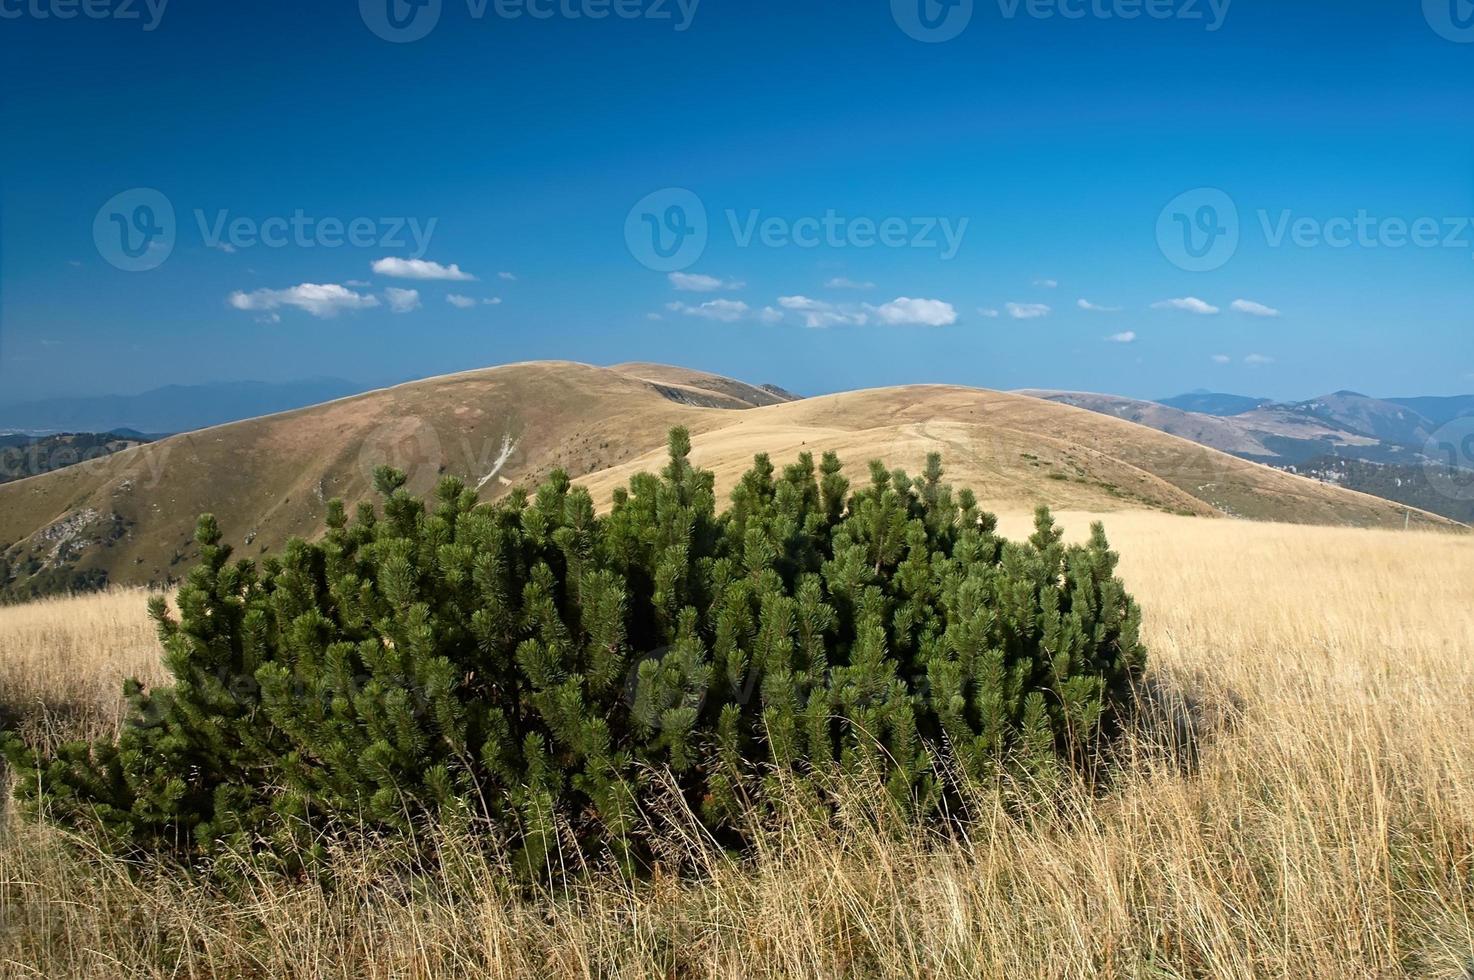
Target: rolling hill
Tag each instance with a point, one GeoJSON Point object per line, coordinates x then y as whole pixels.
{"type": "Point", "coordinates": [129, 518]}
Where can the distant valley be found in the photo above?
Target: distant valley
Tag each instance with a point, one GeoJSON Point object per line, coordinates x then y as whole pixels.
{"type": "Point", "coordinates": [1387, 447]}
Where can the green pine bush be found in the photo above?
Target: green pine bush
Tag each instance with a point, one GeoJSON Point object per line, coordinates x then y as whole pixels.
{"type": "Point", "coordinates": [527, 667]}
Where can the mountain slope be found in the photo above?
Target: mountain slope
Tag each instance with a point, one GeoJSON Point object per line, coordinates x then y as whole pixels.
{"type": "Point", "coordinates": [1213, 403]}
{"type": "Point", "coordinates": [129, 518]}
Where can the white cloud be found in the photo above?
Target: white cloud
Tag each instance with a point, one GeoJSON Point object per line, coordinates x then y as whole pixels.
{"type": "Point", "coordinates": [723, 310]}
{"type": "Point", "coordinates": [1085, 304]}
{"type": "Point", "coordinates": [818, 314]}
{"type": "Point", "coordinates": [1254, 309]}
{"type": "Point", "coordinates": [691, 283]}
{"type": "Point", "coordinates": [420, 269]}
{"type": "Point", "coordinates": [225, 247]}
{"type": "Point", "coordinates": [357, 284]}
{"type": "Point", "coordinates": [402, 300]}
{"type": "Point", "coordinates": [1125, 337]}
{"type": "Point", "coordinates": [1047, 283]}
{"type": "Point", "coordinates": [324, 301]}
{"type": "Point", "coordinates": [1190, 304]}
{"type": "Point", "coordinates": [467, 302]}
{"type": "Point", "coordinates": [1221, 359]}
{"type": "Point", "coordinates": [990, 314]}
{"type": "Point", "coordinates": [507, 276]}
{"type": "Point", "coordinates": [840, 282]}
{"type": "Point", "coordinates": [1258, 359]}
{"type": "Point", "coordinates": [905, 311]}
{"type": "Point", "coordinates": [1027, 311]}
{"type": "Point", "coordinates": [770, 315]}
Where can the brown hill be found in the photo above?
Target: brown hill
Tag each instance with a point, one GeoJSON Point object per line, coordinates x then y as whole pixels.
{"type": "Point", "coordinates": [129, 518]}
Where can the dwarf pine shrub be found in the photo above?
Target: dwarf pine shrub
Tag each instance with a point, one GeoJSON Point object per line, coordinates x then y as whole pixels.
{"type": "Point", "coordinates": [528, 666]}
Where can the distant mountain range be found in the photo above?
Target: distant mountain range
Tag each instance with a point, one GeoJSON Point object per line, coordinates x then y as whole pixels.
{"type": "Point", "coordinates": [1382, 446]}
{"type": "Point", "coordinates": [176, 408]}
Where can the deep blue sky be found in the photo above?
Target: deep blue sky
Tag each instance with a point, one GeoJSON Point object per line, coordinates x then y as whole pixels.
{"type": "Point", "coordinates": [529, 141]}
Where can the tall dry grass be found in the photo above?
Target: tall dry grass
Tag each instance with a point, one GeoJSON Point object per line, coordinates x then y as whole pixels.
{"type": "Point", "coordinates": [1321, 825]}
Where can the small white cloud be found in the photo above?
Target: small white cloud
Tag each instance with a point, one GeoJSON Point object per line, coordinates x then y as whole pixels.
{"type": "Point", "coordinates": [1254, 309]}
{"type": "Point", "coordinates": [1027, 311]}
{"type": "Point", "coordinates": [225, 247]}
{"type": "Point", "coordinates": [904, 311]}
{"type": "Point", "coordinates": [818, 314]}
{"type": "Point", "coordinates": [74, 263]}
{"type": "Point", "coordinates": [1125, 337]}
{"type": "Point", "coordinates": [357, 284]}
{"type": "Point", "coordinates": [1047, 283]}
{"type": "Point", "coordinates": [985, 311]}
{"type": "Point", "coordinates": [770, 315]}
{"type": "Point", "coordinates": [1221, 359]}
{"type": "Point", "coordinates": [654, 316]}
{"type": "Point", "coordinates": [687, 282]}
{"type": "Point", "coordinates": [420, 269]}
{"type": "Point", "coordinates": [402, 300]}
{"type": "Point", "coordinates": [840, 282]}
{"type": "Point", "coordinates": [1085, 304]}
{"type": "Point", "coordinates": [461, 302]}
{"type": "Point", "coordinates": [1258, 359]}
{"type": "Point", "coordinates": [494, 301]}
{"type": "Point", "coordinates": [507, 276]}
{"type": "Point", "coordinates": [1190, 304]}
{"type": "Point", "coordinates": [325, 300]}
{"type": "Point", "coordinates": [722, 310]}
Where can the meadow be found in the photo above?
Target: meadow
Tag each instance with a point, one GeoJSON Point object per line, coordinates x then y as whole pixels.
{"type": "Point", "coordinates": [1298, 801]}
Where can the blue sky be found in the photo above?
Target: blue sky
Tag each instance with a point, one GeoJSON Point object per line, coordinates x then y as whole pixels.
{"type": "Point", "coordinates": [1068, 157]}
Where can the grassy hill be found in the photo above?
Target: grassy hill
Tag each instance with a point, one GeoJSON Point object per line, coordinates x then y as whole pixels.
{"type": "Point", "coordinates": [129, 519]}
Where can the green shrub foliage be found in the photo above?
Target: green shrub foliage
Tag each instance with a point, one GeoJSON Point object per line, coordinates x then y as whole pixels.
{"type": "Point", "coordinates": [530, 667]}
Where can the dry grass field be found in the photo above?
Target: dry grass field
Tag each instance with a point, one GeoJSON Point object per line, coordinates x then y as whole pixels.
{"type": "Point", "coordinates": [1312, 816]}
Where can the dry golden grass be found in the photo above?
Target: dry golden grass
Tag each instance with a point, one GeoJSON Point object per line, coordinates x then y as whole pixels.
{"type": "Point", "coordinates": [1321, 826]}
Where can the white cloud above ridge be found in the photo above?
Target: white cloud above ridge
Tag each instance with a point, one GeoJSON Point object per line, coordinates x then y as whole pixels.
{"type": "Point", "coordinates": [395, 268]}
{"type": "Point", "coordinates": [905, 311]}
{"type": "Point", "coordinates": [721, 310]}
{"type": "Point", "coordinates": [1028, 311]}
{"type": "Point", "coordinates": [322, 300]}
{"type": "Point", "coordinates": [402, 300]}
{"type": "Point", "coordinates": [1188, 304]}
{"type": "Point", "coordinates": [687, 282]}
{"type": "Point", "coordinates": [1252, 308]}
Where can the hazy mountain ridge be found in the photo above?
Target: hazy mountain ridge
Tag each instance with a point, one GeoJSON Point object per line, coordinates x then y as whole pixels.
{"type": "Point", "coordinates": [173, 408]}
{"type": "Point", "coordinates": [129, 518]}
